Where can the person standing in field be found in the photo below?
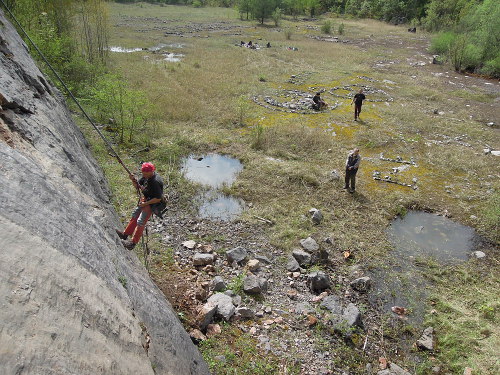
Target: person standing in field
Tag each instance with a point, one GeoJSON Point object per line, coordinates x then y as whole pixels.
{"type": "Point", "coordinates": [351, 168]}
{"type": "Point", "coordinates": [358, 102]}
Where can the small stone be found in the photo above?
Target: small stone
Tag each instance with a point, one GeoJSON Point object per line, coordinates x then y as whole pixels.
{"type": "Point", "coordinates": [224, 303]}
{"type": "Point", "coordinates": [253, 265]}
{"type": "Point", "coordinates": [238, 255]}
{"type": "Point", "coordinates": [245, 313]}
{"type": "Point", "coordinates": [205, 315]}
{"type": "Point", "coordinates": [197, 336]}
{"type": "Point", "coordinates": [382, 363]}
{"type": "Point", "coordinates": [478, 254]}
{"type": "Point", "coordinates": [200, 259]}
{"type": "Point", "coordinates": [189, 244]}
{"type": "Point", "coordinates": [292, 264]}
{"type": "Point", "coordinates": [317, 217]}
{"type": "Point", "coordinates": [361, 284]}
{"type": "Point", "coordinates": [302, 257]}
{"type": "Point", "coordinates": [467, 371]}
{"type": "Point", "coordinates": [309, 244]}
{"type": "Point", "coordinates": [426, 341]}
{"type": "Point", "coordinates": [218, 284]}
{"type": "Point", "coordinates": [318, 281]}
{"type": "Point", "coordinates": [213, 330]}
{"type": "Point", "coordinates": [311, 320]}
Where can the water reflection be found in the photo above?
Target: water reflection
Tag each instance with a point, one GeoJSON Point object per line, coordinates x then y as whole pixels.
{"type": "Point", "coordinates": [214, 171]}
{"type": "Point", "coordinates": [418, 238]}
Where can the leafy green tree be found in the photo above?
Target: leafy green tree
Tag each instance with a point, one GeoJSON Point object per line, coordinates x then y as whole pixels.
{"type": "Point", "coordinates": [276, 16]}
{"type": "Point", "coordinates": [293, 7]}
{"type": "Point", "coordinates": [311, 6]}
{"type": "Point", "coordinates": [245, 7]}
{"type": "Point", "coordinates": [263, 9]}
{"type": "Point", "coordinates": [129, 108]}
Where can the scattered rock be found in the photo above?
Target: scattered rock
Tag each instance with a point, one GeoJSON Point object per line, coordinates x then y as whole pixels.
{"type": "Point", "coordinates": [382, 363]}
{"type": "Point", "coordinates": [335, 175]}
{"type": "Point", "coordinates": [206, 315]}
{"type": "Point", "coordinates": [218, 284]}
{"type": "Point", "coordinates": [189, 244]}
{"type": "Point", "coordinates": [352, 315]}
{"type": "Point", "coordinates": [238, 255]}
{"type": "Point", "coordinates": [309, 244]}
{"type": "Point", "coordinates": [362, 284]}
{"type": "Point", "coordinates": [254, 285]}
{"type": "Point", "coordinates": [496, 153]}
{"type": "Point", "coordinates": [224, 303]}
{"type": "Point", "coordinates": [478, 254]}
{"type": "Point", "coordinates": [244, 312]}
{"type": "Point", "coordinates": [200, 259]}
{"type": "Point", "coordinates": [303, 258]}
{"type": "Point", "coordinates": [393, 369]}
{"type": "Point", "coordinates": [263, 259]}
{"type": "Point", "coordinates": [197, 336]}
{"type": "Point", "coordinates": [332, 304]}
{"type": "Point", "coordinates": [303, 308]}
{"type": "Point", "coordinates": [213, 330]}
{"type": "Point", "coordinates": [467, 371]}
{"type": "Point", "coordinates": [318, 281]}
{"type": "Point", "coordinates": [292, 264]}
{"type": "Point", "coordinates": [253, 265]}
{"type": "Point", "coordinates": [426, 341]}
{"type": "Point", "coordinates": [311, 320]}
{"type": "Point", "coordinates": [317, 217]}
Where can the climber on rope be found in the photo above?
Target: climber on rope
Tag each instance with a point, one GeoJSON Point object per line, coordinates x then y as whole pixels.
{"type": "Point", "coordinates": [151, 187]}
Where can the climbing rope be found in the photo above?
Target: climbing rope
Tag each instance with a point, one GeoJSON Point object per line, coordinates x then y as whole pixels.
{"type": "Point", "coordinates": [108, 144]}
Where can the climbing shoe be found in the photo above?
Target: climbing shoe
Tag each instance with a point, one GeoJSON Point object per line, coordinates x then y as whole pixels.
{"type": "Point", "coordinates": [120, 234]}
{"type": "Point", "coordinates": [128, 244]}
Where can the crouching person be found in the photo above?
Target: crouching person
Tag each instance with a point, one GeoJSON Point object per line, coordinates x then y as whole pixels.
{"type": "Point", "coordinates": [151, 186]}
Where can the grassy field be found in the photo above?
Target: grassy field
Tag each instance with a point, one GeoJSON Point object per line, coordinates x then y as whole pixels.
{"type": "Point", "coordinates": [205, 102]}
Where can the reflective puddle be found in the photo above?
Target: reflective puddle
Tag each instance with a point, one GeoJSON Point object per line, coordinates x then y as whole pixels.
{"type": "Point", "coordinates": [420, 240]}
{"type": "Point", "coordinates": [214, 171]}
{"type": "Point", "coordinates": [421, 234]}
{"type": "Point", "coordinates": [124, 50]}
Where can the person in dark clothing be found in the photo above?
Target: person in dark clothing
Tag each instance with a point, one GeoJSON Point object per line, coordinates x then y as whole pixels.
{"type": "Point", "coordinates": [151, 186]}
{"type": "Point", "coordinates": [351, 168]}
{"type": "Point", "coordinates": [318, 103]}
{"type": "Point", "coordinates": [358, 102]}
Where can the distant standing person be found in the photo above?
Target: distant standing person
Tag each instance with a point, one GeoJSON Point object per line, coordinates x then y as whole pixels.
{"type": "Point", "coordinates": [358, 102]}
{"type": "Point", "coordinates": [351, 168]}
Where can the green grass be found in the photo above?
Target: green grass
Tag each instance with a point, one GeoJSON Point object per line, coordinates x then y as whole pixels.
{"type": "Point", "coordinates": [202, 105]}
{"type": "Point", "coordinates": [236, 353]}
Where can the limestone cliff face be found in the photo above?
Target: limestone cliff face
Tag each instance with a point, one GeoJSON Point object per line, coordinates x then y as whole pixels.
{"type": "Point", "coordinates": [63, 309]}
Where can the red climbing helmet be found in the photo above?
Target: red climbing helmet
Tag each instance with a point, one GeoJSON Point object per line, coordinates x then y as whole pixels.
{"type": "Point", "coordinates": [147, 167]}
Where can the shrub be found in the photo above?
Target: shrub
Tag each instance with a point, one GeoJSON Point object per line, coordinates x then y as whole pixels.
{"type": "Point", "coordinates": [442, 43]}
{"type": "Point", "coordinates": [288, 34]}
{"type": "Point", "coordinates": [492, 67]}
{"type": "Point", "coordinates": [341, 28]}
{"type": "Point", "coordinates": [276, 16]}
{"type": "Point", "coordinates": [327, 27]}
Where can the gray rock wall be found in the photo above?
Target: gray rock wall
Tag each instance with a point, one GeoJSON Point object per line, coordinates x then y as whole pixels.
{"type": "Point", "coordinates": [63, 309]}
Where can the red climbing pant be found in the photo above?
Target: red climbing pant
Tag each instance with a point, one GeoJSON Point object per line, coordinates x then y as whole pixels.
{"type": "Point", "coordinates": [138, 222]}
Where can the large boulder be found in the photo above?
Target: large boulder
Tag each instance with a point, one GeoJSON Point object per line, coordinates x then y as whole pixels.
{"type": "Point", "coordinates": [74, 301]}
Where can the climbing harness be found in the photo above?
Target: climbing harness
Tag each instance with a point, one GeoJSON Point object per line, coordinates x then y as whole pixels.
{"type": "Point", "coordinates": [108, 144]}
